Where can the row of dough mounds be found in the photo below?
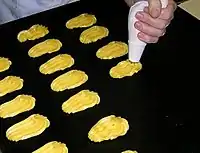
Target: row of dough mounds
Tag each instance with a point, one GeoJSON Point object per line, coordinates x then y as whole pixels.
{"type": "Point", "coordinates": [107, 128]}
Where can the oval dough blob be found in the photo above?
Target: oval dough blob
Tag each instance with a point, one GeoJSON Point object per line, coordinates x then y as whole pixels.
{"type": "Point", "coordinates": [48, 46]}
{"type": "Point", "coordinates": [108, 128]}
{"type": "Point", "coordinates": [10, 84]}
{"type": "Point", "coordinates": [129, 151]}
{"type": "Point", "coordinates": [125, 68]}
{"type": "Point", "coordinates": [19, 104]}
{"type": "Point", "coordinates": [112, 50]}
{"type": "Point", "coordinates": [34, 32]}
{"type": "Point", "coordinates": [4, 64]}
{"type": "Point", "coordinates": [93, 34]}
{"type": "Point", "coordinates": [69, 80]}
{"type": "Point", "coordinates": [57, 63]}
{"type": "Point", "coordinates": [81, 101]}
{"type": "Point", "coordinates": [52, 147]}
{"type": "Point", "coordinates": [83, 20]}
{"type": "Point", "coordinates": [32, 126]}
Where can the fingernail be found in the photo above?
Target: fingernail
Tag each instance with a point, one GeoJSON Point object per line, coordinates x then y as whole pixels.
{"type": "Point", "coordinates": [139, 15]}
{"type": "Point", "coordinates": [138, 26]}
{"type": "Point", "coordinates": [155, 13]}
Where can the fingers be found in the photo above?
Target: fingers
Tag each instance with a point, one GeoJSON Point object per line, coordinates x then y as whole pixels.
{"type": "Point", "coordinates": [146, 38]}
{"type": "Point", "coordinates": [154, 8]}
{"type": "Point", "coordinates": [146, 18]}
{"type": "Point", "coordinates": [148, 29]}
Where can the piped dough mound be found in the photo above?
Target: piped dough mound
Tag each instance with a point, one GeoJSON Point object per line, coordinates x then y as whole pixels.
{"type": "Point", "coordinates": [124, 69]}
{"type": "Point", "coordinates": [81, 21]}
{"type": "Point", "coordinates": [48, 46]}
{"type": "Point", "coordinates": [81, 101]}
{"type": "Point", "coordinates": [10, 84]}
{"type": "Point", "coordinates": [52, 147]}
{"type": "Point", "coordinates": [93, 34]}
{"type": "Point", "coordinates": [32, 126]}
{"type": "Point", "coordinates": [108, 128]}
{"type": "Point", "coordinates": [112, 50]}
{"type": "Point", "coordinates": [129, 151]}
{"type": "Point", "coordinates": [5, 64]}
{"type": "Point", "coordinates": [34, 32]}
{"type": "Point", "coordinates": [57, 63]}
{"type": "Point", "coordinates": [69, 80]}
{"type": "Point", "coordinates": [19, 104]}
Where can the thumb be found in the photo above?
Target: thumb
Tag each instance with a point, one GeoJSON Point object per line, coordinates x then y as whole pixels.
{"type": "Point", "coordinates": [155, 7]}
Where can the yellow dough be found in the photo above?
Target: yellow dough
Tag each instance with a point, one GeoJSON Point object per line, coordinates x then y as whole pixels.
{"type": "Point", "coordinates": [112, 50]}
{"type": "Point", "coordinates": [125, 68]}
{"type": "Point", "coordinates": [108, 128]}
{"type": "Point", "coordinates": [32, 126]}
{"type": "Point", "coordinates": [4, 64]}
{"type": "Point", "coordinates": [57, 63]}
{"type": "Point", "coordinates": [19, 104]}
{"type": "Point", "coordinates": [81, 101]}
{"type": "Point", "coordinates": [34, 32]}
{"type": "Point", "coordinates": [129, 151]}
{"type": "Point", "coordinates": [52, 147]}
{"type": "Point", "coordinates": [48, 46]}
{"type": "Point", "coordinates": [83, 20]}
{"type": "Point", "coordinates": [93, 34]}
{"type": "Point", "coordinates": [69, 80]}
{"type": "Point", "coordinates": [10, 84]}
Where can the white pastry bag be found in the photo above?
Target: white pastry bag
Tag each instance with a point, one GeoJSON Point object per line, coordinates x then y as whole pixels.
{"type": "Point", "coordinates": [136, 46]}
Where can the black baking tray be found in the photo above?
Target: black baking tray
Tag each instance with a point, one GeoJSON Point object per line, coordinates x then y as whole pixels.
{"type": "Point", "coordinates": [154, 101]}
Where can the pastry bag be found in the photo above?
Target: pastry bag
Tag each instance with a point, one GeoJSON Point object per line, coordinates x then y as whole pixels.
{"type": "Point", "coordinates": [136, 46]}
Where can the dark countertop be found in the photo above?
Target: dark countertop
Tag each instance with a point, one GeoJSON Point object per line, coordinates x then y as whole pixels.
{"type": "Point", "coordinates": [160, 102]}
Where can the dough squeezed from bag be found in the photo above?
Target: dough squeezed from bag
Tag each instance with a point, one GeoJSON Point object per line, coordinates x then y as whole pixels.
{"type": "Point", "coordinates": [69, 80]}
{"type": "Point", "coordinates": [108, 128]}
{"type": "Point", "coordinates": [112, 50]}
{"type": "Point", "coordinates": [93, 34]}
{"type": "Point", "coordinates": [10, 84]}
{"type": "Point", "coordinates": [5, 64]}
{"type": "Point", "coordinates": [57, 63]}
{"type": "Point", "coordinates": [34, 32]}
{"type": "Point", "coordinates": [124, 69]}
{"type": "Point", "coordinates": [52, 147]}
{"type": "Point", "coordinates": [48, 46]}
{"type": "Point", "coordinates": [32, 126]}
{"type": "Point", "coordinates": [81, 21]}
{"type": "Point", "coordinates": [19, 104]}
{"type": "Point", "coordinates": [81, 101]}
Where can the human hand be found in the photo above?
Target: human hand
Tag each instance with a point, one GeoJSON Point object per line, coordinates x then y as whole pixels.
{"type": "Point", "coordinates": [152, 22]}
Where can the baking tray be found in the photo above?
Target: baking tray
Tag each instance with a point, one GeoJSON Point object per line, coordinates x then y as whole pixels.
{"type": "Point", "coordinates": [135, 98]}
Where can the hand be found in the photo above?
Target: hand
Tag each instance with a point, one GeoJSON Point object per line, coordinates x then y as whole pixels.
{"type": "Point", "coordinates": [152, 22]}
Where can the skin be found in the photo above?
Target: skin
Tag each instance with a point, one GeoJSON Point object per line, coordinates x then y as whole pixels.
{"type": "Point", "coordinates": [153, 21]}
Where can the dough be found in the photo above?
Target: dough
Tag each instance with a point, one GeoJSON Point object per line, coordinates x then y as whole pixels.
{"type": "Point", "coordinates": [34, 32]}
{"type": "Point", "coordinates": [83, 20]}
{"type": "Point", "coordinates": [32, 126]}
{"type": "Point", "coordinates": [125, 68]}
{"type": "Point", "coordinates": [57, 63]}
{"type": "Point", "coordinates": [112, 50]}
{"type": "Point", "coordinates": [10, 84]}
{"type": "Point", "coordinates": [69, 80]}
{"type": "Point", "coordinates": [47, 46]}
{"type": "Point", "coordinates": [108, 128]}
{"type": "Point", "coordinates": [4, 64]}
{"type": "Point", "coordinates": [81, 101]}
{"type": "Point", "coordinates": [129, 151]}
{"type": "Point", "coordinates": [52, 147]}
{"type": "Point", "coordinates": [93, 34]}
{"type": "Point", "coordinates": [19, 104]}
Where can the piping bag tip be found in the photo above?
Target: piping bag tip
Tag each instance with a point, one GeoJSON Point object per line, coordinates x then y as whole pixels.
{"type": "Point", "coordinates": [135, 46]}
